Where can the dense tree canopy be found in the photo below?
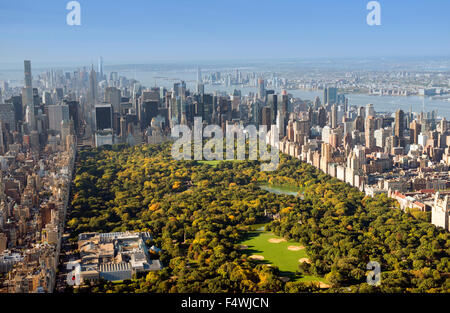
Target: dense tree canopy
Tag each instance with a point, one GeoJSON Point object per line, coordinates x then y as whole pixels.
{"type": "Point", "coordinates": [199, 213]}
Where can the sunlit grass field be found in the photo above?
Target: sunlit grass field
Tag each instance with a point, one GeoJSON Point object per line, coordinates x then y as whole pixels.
{"type": "Point", "coordinates": [277, 254]}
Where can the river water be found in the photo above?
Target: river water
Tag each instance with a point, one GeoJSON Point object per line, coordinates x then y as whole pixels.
{"type": "Point", "coordinates": [381, 103]}
{"type": "Point", "coordinates": [166, 79]}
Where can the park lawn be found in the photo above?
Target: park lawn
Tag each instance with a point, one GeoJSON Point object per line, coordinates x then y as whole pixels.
{"type": "Point", "coordinates": [277, 254]}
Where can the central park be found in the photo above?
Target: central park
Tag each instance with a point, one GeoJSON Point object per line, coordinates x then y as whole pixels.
{"type": "Point", "coordinates": [229, 227]}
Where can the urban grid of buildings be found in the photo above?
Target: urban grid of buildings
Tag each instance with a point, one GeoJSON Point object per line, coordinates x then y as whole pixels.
{"type": "Point", "coordinates": [403, 154]}
{"type": "Point", "coordinates": [36, 173]}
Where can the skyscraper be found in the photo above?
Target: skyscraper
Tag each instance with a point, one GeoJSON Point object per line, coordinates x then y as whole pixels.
{"type": "Point", "coordinates": [370, 110]}
{"type": "Point", "coordinates": [330, 96]}
{"type": "Point", "coordinates": [272, 102]}
{"type": "Point", "coordinates": [7, 115]}
{"type": "Point", "coordinates": [16, 101]}
{"type": "Point", "coordinates": [201, 89]}
{"type": "Point", "coordinates": [261, 89]}
{"type": "Point", "coordinates": [100, 69]}
{"type": "Point", "coordinates": [103, 116]}
{"type": "Point", "coordinates": [266, 118]}
{"type": "Point", "coordinates": [57, 114]}
{"type": "Point", "coordinates": [399, 123]}
{"type": "Point", "coordinates": [415, 129]}
{"type": "Point", "coordinates": [322, 117]}
{"type": "Point", "coordinates": [362, 112]}
{"type": "Point", "coordinates": [149, 111]}
{"type": "Point", "coordinates": [47, 98]}
{"type": "Point", "coordinates": [92, 92]}
{"type": "Point", "coordinates": [316, 103]}
{"type": "Point", "coordinates": [176, 89]}
{"type": "Point", "coordinates": [256, 112]}
{"type": "Point", "coordinates": [334, 116]}
{"type": "Point", "coordinates": [74, 114]}
{"type": "Point", "coordinates": [27, 70]}
{"type": "Point", "coordinates": [113, 96]}
{"type": "Point", "coordinates": [182, 91]}
{"type": "Point", "coordinates": [199, 76]}
{"type": "Point", "coordinates": [370, 132]}
{"type": "Point", "coordinates": [27, 96]}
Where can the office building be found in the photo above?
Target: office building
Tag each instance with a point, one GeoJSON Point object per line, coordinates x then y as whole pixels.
{"type": "Point", "coordinates": [399, 123]}
{"type": "Point", "coordinates": [103, 116]}
{"type": "Point", "coordinates": [57, 114]}
{"type": "Point", "coordinates": [261, 89]}
{"type": "Point", "coordinates": [330, 96]}
{"type": "Point", "coordinates": [113, 97]}
{"type": "Point", "coordinates": [334, 116]}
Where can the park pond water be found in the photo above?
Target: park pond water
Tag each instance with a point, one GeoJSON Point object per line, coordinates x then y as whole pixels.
{"type": "Point", "coordinates": [282, 190]}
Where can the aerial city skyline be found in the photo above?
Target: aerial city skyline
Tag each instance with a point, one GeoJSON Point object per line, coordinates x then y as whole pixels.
{"type": "Point", "coordinates": [401, 153]}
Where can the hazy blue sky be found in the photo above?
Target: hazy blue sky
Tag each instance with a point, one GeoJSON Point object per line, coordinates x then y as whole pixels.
{"type": "Point", "coordinates": [138, 31]}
